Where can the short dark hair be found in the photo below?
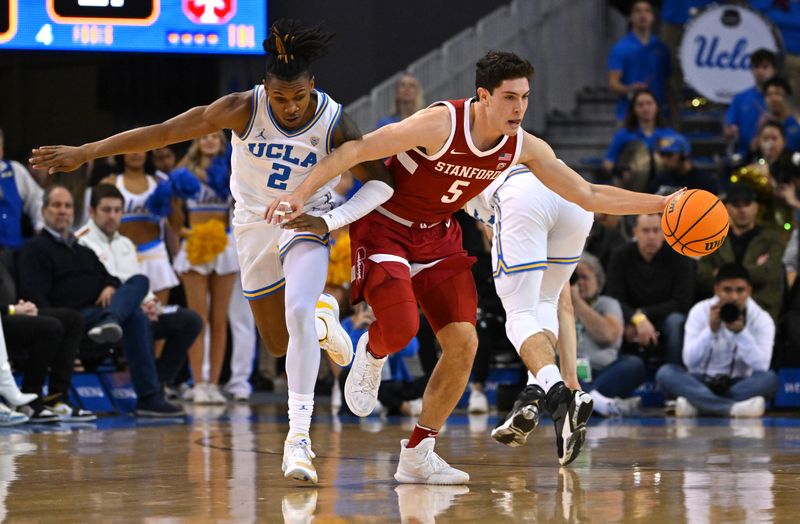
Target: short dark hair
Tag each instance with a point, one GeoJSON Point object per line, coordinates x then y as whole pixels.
{"type": "Point", "coordinates": [101, 191]}
{"type": "Point", "coordinates": [633, 4]}
{"type": "Point", "coordinates": [291, 48]}
{"type": "Point", "coordinates": [761, 56]}
{"type": "Point", "coordinates": [774, 124]}
{"type": "Point", "coordinates": [49, 190]}
{"type": "Point", "coordinates": [732, 271]}
{"type": "Point", "coordinates": [496, 66]}
{"type": "Point", "coordinates": [778, 81]}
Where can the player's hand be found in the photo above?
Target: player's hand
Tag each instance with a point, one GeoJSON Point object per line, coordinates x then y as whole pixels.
{"type": "Point", "coordinates": [308, 223]}
{"type": "Point", "coordinates": [284, 209]}
{"type": "Point", "coordinates": [58, 159]}
{"type": "Point", "coordinates": [668, 198]}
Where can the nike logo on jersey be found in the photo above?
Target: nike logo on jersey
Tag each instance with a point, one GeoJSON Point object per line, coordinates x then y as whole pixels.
{"type": "Point", "coordinates": [454, 152]}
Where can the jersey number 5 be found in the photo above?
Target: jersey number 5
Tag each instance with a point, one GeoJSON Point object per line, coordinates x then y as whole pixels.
{"type": "Point", "coordinates": [454, 193]}
{"type": "Point", "coordinates": [277, 180]}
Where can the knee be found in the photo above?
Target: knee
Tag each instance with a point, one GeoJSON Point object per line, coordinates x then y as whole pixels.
{"type": "Point", "coordinates": [635, 370]}
{"type": "Point", "coordinates": [667, 372]}
{"type": "Point", "coordinates": [674, 321]}
{"type": "Point", "coordinates": [769, 379]}
{"type": "Point", "coordinates": [299, 316]}
{"type": "Point", "coordinates": [460, 345]}
{"type": "Point", "coordinates": [140, 283]}
{"type": "Point", "coordinates": [49, 330]}
{"type": "Point", "coordinates": [190, 321]}
{"type": "Point", "coordinates": [396, 331]}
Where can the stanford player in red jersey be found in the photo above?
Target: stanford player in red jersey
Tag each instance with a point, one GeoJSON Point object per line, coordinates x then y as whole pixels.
{"type": "Point", "coordinates": [408, 250]}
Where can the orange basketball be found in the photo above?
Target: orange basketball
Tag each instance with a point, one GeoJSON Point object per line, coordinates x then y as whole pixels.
{"type": "Point", "coordinates": [695, 223]}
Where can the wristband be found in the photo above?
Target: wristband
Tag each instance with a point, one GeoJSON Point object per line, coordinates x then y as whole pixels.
{"type": "Point", "coordinates": [638, 318]}
{"type": "Point", "coordinates": [12, 309]}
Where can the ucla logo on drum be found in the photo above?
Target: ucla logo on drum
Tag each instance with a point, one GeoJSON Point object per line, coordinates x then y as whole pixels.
{"type": "Point", "coordinates": [716, 47]}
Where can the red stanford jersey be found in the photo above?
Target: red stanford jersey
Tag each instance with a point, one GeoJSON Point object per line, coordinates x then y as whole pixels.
{"type": "Point", "coordinates": [430, 188]}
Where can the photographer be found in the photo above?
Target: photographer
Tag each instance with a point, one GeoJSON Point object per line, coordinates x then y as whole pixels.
{"type": "Point", "coordinates": [727, 350]}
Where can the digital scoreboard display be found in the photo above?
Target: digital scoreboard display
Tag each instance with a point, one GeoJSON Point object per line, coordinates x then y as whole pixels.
{"type": "Point", "coordinates": [148, 26]}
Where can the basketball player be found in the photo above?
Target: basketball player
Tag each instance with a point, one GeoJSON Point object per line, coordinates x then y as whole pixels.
{"type": "Point", "coordinates": [409, 249]}
{"type": "Point", "coordinates": [281, 129]}
{"type": "Point", "coordinates": [537, 240]}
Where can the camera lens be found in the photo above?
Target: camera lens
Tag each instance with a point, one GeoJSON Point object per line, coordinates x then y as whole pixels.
{"type": "Point", "coordinates": [729, 312]}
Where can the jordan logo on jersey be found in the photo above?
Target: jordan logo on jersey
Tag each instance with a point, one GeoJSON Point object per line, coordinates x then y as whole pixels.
{"type": "Point", "coordinates": [261, 134]}
{"type": "Point", "coordinates": [281, 152]}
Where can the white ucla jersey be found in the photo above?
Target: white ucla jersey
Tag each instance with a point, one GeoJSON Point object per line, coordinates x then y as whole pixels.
{"type": "Point", "coordinates": [270, 161]}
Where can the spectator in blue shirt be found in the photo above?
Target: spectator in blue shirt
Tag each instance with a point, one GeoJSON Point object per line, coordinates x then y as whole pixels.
{"type": "Point", "coordinates": [639, 60]}
{"type": "Point", "coordinates": [786, 15]}
{"type": "Point", "coordinates": [776, 98]}
{"type": "Point", "coordinates": [677, 170]}
{"type": "Point", "coordinates": [643, 125]}
{"type": "Point", "coordinates": [747, 107]}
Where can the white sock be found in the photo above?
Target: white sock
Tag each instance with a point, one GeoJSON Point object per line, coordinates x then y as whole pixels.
{"type": "Point", "coordinates": [549, 376]}
{"type": "Point", "coordinates": [532, 379]}
{"type": "Point", "coordinates": [322, 328]}
{"type": "Point", "coordinates": [602, 403]}
{"type": "Point", "coordinates": [300, 409]}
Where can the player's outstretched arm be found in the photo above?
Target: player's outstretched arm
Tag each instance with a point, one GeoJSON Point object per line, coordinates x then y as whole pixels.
{"type": "Point", "coordinates": [229, 112]}
{"type": "Point", "coordinates": [378, 188]}
{"type": "Point", "coordinates": [428, 128]}
{"type": "Point", "coordinates": [556, 175]}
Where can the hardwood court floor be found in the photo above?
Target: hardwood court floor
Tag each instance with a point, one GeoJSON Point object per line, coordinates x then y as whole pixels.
{"type": "Point", "coordinates": [224, 466]}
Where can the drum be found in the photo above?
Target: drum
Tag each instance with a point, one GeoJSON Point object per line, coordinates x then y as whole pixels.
{"type": "Point", "coordinates": [716, 47]}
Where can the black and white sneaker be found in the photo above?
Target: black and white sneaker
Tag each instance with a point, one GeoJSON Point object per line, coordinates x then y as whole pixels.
{"type": "Point", "coordinates": [68, 413]}
{"type": "Point", "coordinates": [570, 411]}
{"type": "Point", "coordinates": [522, 419]}
{"type": "Point", "coordinates": [37, 413]}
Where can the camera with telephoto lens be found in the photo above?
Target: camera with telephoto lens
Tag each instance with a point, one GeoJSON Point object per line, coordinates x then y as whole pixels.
{"type": "Point", "coordinates": [729, 312]}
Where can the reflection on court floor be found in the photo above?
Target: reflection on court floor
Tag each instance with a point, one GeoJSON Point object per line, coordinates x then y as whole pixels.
{"type": "Point", "coordinates": [224, 465]}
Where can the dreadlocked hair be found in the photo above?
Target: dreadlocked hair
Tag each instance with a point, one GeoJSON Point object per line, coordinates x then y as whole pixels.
{"type": "Point", "coordinates": [291, 48]}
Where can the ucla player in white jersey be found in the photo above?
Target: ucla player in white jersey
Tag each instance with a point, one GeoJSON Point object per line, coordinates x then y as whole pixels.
{"type": "Point", "coordinates": [281, 130]}
{"type": "Point", "coordinates": [537, 241]}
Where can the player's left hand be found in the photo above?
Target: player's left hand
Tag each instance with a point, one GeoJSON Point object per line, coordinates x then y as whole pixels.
{"type": "Point", "coordinates": [668, 198]}
{"type": "Point", "coordinates": [308, 223]}
{"type": "Point", "coordinates": [284, 209]}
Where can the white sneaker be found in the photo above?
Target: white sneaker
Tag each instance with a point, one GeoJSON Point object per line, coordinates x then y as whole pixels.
{"type": "Point", "coordinates": [336, 342]}
{"type": "Point", "coordinates": [299, 507]}
{"type": "Point", "coordinates": [215, 396]}
{"type": "Point", "coordinates": [683, 408]}
{"type": "Point", "coordinates": [420, 503]}
{"type": "Point", "coordinates": [361, 386]}
{"type": "Point", "coordinates": [421, 465]}
{"type": "Point", "coordinates": [297, 462]}
{"type": "Point", "coordinates": [478, 403]}
{"type": "Point", "coordinates": [415, 407]}
{"type": "Point", "coordinates": [199, 394]}
{"type": "Point", "coordinates": [625, 407]}
{"type": "Point", "coordinates": [11, 418]}
{"type": "Point", "coordinates": [750, 408]}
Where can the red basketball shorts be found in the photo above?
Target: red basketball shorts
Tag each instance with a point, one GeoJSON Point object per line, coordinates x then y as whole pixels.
{"type": "Point", "coordinates": [429, 262]}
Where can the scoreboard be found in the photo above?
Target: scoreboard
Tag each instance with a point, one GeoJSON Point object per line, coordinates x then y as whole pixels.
{"type": "Point", "coordinates": [157, 26]}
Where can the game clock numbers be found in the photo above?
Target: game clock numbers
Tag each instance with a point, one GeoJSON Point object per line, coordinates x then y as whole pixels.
{"type": "Point", "coordinates": [171, 26]}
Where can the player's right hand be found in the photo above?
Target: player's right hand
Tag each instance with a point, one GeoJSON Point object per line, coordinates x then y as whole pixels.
{"type": "Point", "coordinates": [58, 159]}
{"type": "Point", "coordinates": [284, 209]}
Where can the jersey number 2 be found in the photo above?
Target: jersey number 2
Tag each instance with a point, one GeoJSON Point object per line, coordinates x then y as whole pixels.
{"type": "Point", "coordinates": [454, 193]}
{"type": "Point", "coordinates": [277, 180]}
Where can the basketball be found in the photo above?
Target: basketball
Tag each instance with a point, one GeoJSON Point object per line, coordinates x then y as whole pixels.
{"type": "Point", "coordinates": [695, 223]}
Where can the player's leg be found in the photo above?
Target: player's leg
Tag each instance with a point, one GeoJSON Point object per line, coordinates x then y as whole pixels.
{"type": "Point", "coordinates": [305, 267]}
{"type": "Point", "coordinates": [450, 307]}
{"type": "Point", "coordinates": [269, 312]}
{"type": "Point", "coordinates": [196, 287]}
{"type": "Point", "coordinates": [388, 290]}
{"type": "Point", "coordinates": [220, 288]}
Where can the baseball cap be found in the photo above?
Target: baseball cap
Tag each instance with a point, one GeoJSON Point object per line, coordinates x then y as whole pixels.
{"type": "Point", "coordinates": [674, 144]}
{"type": "Point", "coordinates": [740, 193]}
